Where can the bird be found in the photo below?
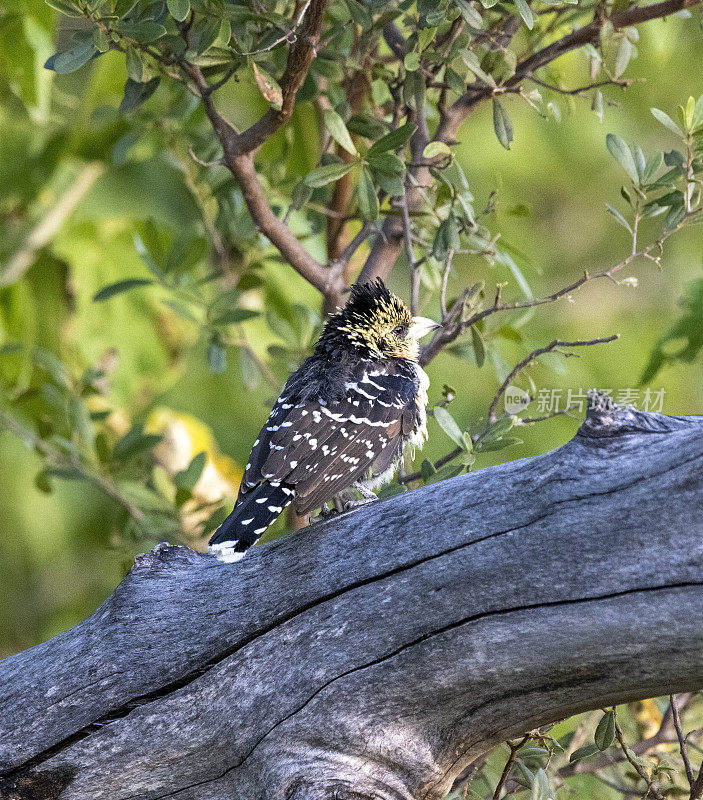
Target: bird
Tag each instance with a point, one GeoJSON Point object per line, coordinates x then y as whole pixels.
{"type": "Point", "coordinates": [344, 418]}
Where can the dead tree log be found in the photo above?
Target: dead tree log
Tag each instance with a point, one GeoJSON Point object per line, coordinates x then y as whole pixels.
{"type": "Point", "coordinates": [376, 655]}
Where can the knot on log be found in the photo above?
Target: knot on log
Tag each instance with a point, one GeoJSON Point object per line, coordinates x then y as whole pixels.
{"type": "Point", "coordinates": [41, 785]}
{"type": "Point", "coordinates": [163, 553]}
{"type": "Point", "coordinates": [604, 418]}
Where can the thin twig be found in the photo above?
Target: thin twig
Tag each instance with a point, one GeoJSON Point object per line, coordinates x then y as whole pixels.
{"type": "Point", "coordinates": [622, 82]}
{"type": "Point", "coordinates": [449, 332]}
{"type": "Point", "coordinates": [533, 420]}
{"type": "Point", "coordinates": [57, 459]}
{"type": "Point", "coordinates": [51, 223]}
{"type": "Point", "coordinates": [286, 36]}
{"type": "Point", "coordinates": [407, 238]}
{"type": "Point", "coordinates": [520, 366]}
{"type": "Point", "coordinates": [682, 741]}
{"type": "Point", "coordinates": [639, 769]}
{"type": "Point", "coordinates": [368, 229]}
{"type": "Point", "coordinates": [509, 764]}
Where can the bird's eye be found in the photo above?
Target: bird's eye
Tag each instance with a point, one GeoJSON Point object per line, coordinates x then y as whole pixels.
{"type": "Point", "coordinates": [399, 331]}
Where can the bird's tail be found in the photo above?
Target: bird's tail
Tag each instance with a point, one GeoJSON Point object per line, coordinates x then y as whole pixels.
{"type": "Point", "coordinates": [249, 519]}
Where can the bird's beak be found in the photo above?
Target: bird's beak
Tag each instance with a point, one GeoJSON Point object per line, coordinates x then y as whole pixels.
{"type": "Point", "coordinates": [422, 326]}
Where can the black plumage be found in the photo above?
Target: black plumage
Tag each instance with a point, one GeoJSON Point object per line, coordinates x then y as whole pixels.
{"type": "Point", "coordinates": [343, 417]}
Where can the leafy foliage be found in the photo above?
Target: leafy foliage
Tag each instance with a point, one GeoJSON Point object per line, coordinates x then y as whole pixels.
{"type": "Point", "coordinates": [138, 287]}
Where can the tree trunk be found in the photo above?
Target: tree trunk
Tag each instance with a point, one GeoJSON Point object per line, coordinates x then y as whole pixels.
{"type": "Point", "coordinates": [376, 655]}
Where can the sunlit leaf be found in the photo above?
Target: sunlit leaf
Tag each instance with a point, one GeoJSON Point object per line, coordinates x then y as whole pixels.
{"type": "Point", "coordinates": [338, 131]}
{"type": "Point", "coordinates": [666, 120]}
{"type": "Point", "coordinates": [448, 425]}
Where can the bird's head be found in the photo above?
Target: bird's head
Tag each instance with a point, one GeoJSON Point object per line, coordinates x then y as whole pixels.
{"type": "Point", "coordinates": [378, 324]}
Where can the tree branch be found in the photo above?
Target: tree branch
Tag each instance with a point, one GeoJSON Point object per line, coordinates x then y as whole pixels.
{"type": "Point", "coordinates": [540, 351]}
{"type": "Point", "coordinates": [455, 323]}
{"type": "Point", "coordinates": [238, 148]}
{"type": "Point", "coordinates": [588, 34]}
{"type": "Point", "coordinates": [639, 769]}
{"type": "Point", "coordinates": [286, 676]}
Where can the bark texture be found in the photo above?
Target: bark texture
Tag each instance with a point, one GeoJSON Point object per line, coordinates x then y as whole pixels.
{"type": "Point", "coordinates": [376, 655]}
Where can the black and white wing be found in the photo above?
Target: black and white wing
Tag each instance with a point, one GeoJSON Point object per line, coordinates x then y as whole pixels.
{"type": "Point", "coordinates": [321, 448]}
{"type": "Point", "coordinates": [310, 450]}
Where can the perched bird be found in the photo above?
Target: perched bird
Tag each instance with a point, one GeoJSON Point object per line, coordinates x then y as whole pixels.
{"type": "Point", "coordinates": [343, 418]}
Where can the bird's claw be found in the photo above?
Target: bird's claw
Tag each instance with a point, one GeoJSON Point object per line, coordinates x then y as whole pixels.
{"type": "Point", "coordinates": [350, 505]}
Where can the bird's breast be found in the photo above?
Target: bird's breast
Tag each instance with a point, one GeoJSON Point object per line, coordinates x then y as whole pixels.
{"type": "Point", "coordinates": [419, 433]}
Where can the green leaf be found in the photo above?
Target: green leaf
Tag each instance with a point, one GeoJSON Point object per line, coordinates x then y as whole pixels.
{"type": "Point", "coordinates": [360, 14]}
{"type": "Point", "coordinates": [204, 34]}
{"type": "Point", "coordinates": [234, 316]}
{"type": "Point", "coordinates": [623, 155]}
{"type": "Point", "coordinates": [135, 441]}
{"type": "Point", "coordinates": [640, 163]}
{"type": "Point", "coordinates": [394, 139]}
{"type": "Point", "coordinates": [387, 163]}
{"type": "Point", "coordinates": [411, 62]}
{"type": "Point", "coordinates": [216, 354]}
{"type": "Point", "coordinates": [525, 12]}
{"type": "Point", "coordinates": [471, 60]}
{"type": "Point", "coordinates": [43, 482]}
{"type": "Point", "coordinates": [619, 217]}
{"type": "Point", "coordinates": [392, 185]}
{"type": "Point", "coordinates": [500, 444]}
{"type": "Point", "coordinates": [502, 125]}
{"type": "Point", "coordinates": [448, 425]}
{"type": "Point", "coordinates": [327, 174]}
{"type": "Point", "coordinates": [435, 149]}
{"type": "Point", "coordinates": [144, 31]}
{"type": "Point", "coordinates": [368, 198]}
{"type": "Point", "coordinates": [498, 428]}
{"type": "Point", "coordinates": [187, 478]}
{"type": "Point", "coordinates": [136, 69]}
{"type": "Point", "coordinates": [73, 59]}
{"type": "Point", "coordinates": [533, 752]}
{"type": "Point", "coordinates": [469, 13]}
{"type": "Point", "coordinates": [249, 366]}
{"type": "Point", "coordinates": [605, 732]}
{"type": "Point", "coordinates": [666, 120]}
{"type": "Point", "coordinates": [119, 287]}
{"type": "Point", "coordinates": [390, 490]}
{"type": "Point", "coordinates": [541, 790]}
{"type": "Point", "coordinates": [100, 41]}
{"type": "Point", "coordinates": [456, 83]}
{"type": "Point", "coordinates": [366, 125]}
{"type": "Point", "coordinates": [338, 131]}
{"type": "Point", "coordinates": [137, 93]}
{"type": "Point", "coordinates": [178, 9]}
{"type": "Point", "coordinates": [479, 347]}
{"type": "Point", "coordinates": [653, 164]}
{"type": "Point", "coordinates": [427, 470]}
{"type": "Point", "coordinates": [622, 58]}
{"type": "Point", "coordinates": [697, 120]}
{"type": "Point", "coordinates": [446, 472]}
{"type": "Point", "coordinates": [688, 114]}
{"type": "Point", "coordinates": [300, 195]}
{"type": "Point", "coordinates": [587, 751]}
{"type": "Point", "coordinates": [597, 104]}
{"type": "Point", "coordinates": [524, 775]}
{"type": "Point", "coordinates": [69, 9]}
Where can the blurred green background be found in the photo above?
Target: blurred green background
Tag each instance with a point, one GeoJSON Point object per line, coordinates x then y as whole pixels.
{"type": "Point", "coordinates": [67, 160]}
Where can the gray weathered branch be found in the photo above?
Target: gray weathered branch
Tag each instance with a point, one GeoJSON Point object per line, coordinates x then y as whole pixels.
{"type": "Point", "coordinates": [376, 655]}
